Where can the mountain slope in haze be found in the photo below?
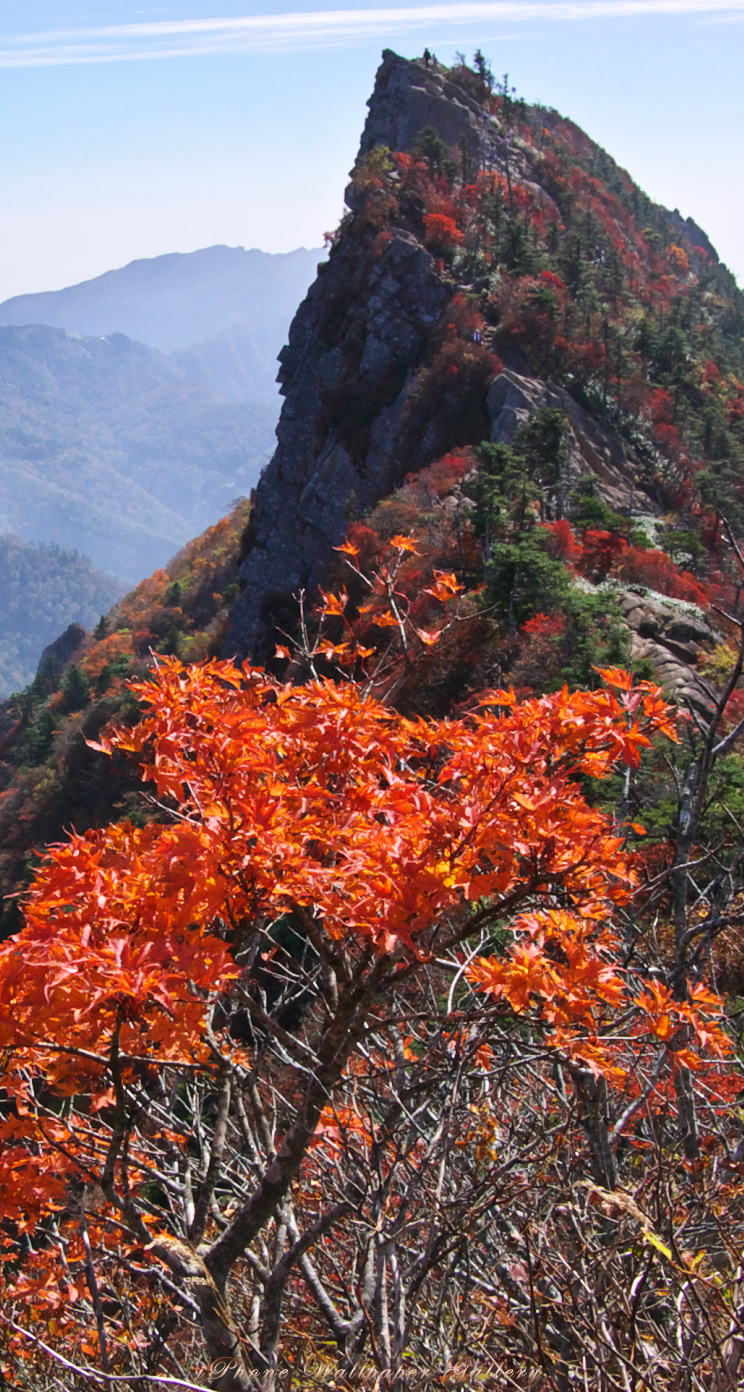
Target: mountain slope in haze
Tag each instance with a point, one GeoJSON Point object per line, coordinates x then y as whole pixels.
{"type": "Point", "coordinates": [235, 304]}
{"type": "Point", "coordinates": [44, 589]}
{"type": "Point", "coordinates": [47, 771]}
{"type": "Point", "coordinates": [108, 447]}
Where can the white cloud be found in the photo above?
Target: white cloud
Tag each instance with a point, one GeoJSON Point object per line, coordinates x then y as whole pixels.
{"type": "Point", "coordinates": [318, 29]}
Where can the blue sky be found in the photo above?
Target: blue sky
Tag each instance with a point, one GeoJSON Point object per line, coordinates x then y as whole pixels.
{"type": "Point", "coordinates": [140, 129]}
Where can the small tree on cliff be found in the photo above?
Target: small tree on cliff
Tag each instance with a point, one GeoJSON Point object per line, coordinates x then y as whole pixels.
{"type": "Point", "coordinates": [430, 147]}
{"type": "Point", "coordinates": [484, 70]}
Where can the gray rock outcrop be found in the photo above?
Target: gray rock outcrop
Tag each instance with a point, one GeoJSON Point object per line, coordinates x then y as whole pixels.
{"type": "Point", "coordinates": [673, 637]}
{"type": "Point", "coordinates": [591, 448]}
{"type": "Point", "coordinates": [408, 97]}
{"type": "Point", "coordinates": [346, 372]}
{"type": "Point", "coordinates": [58, 653]}
{"type": "Point", "coordinates": [353, 346]}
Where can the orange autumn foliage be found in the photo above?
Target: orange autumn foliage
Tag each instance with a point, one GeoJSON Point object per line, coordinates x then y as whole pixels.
{"type": "Point", "coordinates": [297, 797]}
{"type": "Point", "coordinates": [393, 839]}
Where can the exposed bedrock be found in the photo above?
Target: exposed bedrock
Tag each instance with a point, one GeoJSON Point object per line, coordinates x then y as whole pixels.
{"type": "Point", "coordinates": [344, 439]}
{"type": "Point", "coordinates": [353, 347]}
{"type": "Point", "coordinates": [591, 448]}
{"type": "Point", "coordinates": [673, 637]}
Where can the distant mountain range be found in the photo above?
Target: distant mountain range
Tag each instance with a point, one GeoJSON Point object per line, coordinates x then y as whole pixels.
{"type": "Point", "coordinates": [135, 407]}
{"type": "Point", "coordinates": [107, 447]}
{"type": "Point", "coordinates": [235, 304]}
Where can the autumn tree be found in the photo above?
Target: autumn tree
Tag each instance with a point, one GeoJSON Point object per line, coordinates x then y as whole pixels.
{"type": "Point", "coordinates": [263, 1055]}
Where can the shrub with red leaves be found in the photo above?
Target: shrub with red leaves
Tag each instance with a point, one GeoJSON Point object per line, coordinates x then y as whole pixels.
{"type": "Point", "coordinates": [599, 553]}
{"type": "Point", "coordinates": [658, 571]}
{"type": "Point", "coordinates": [442, 233]}
{"type": "Point", "coordinates": [563, 545]}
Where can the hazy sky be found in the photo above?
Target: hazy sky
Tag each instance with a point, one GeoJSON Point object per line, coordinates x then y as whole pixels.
{"type": "Point", "coordinates": [132, 130]}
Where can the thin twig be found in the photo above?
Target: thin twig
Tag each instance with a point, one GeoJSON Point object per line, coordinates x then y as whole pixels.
{"type": "Point", "coordinates": [92, 1374]}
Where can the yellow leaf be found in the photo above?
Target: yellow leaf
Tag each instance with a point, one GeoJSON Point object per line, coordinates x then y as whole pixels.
{"type": "Point", "coordinates": [656, 1242]}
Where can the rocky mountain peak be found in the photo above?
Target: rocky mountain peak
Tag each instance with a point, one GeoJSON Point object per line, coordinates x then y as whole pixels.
{"type": "Point", "coordinates": [410, 96]}
{"type": "Point", "coordinates": [354, 422]}
{"type": "Point", "coordinates": [346, 373]}
{"type": "Point", "coordinates": [494, 266]}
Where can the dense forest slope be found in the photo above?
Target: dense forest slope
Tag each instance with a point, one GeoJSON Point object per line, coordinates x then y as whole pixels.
{"type": "Point", "coordinates": [399, 1023]}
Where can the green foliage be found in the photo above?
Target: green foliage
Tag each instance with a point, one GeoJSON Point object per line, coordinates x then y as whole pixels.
{"type": "Point", "coordinates": [595, 637]}
{"type": "Point", "coordinates": [725, 814]}
{"type": "Point", "coordinates": [512, 492]}
{"type": "Point", "coordinates": [40, 734]}
{"type": "Point", "coordinates": [684, 546]}
{"type": "Point", "coordinates": [503, 491]}
{"type": "Point", "coordinates": [720, 488]}
{"type": "Point", "coordinates": [518, 251]}
{"type": "Point", "coordinates": [589, 510]}
{"type": "Point", "coordinates": [512, 477]}
{"type": "Point", "coordinates": [523, 579]}
{"type": "Point", "coordinates": [542, 443]}
{"type": "Point", "coordinates": [430, 147]}
{"type": "Point", "coordinates": [484, 70]}
{"type": "Point", "coordinates": [370, 169]}
{"type": "Point", "coordinates": [74, 689]}
{"type": "Point", "coordinates": [513, 108]}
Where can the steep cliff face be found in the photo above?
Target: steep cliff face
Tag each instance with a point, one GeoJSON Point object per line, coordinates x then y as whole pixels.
{"type": "Point", "coordinates": [352, 349]}
{"type": "Point", "coordinates": [357, 417]}
{"type": "Point", "coordinates": [345, 437]}
{"type": "Point", "coordinates": [408, 97]}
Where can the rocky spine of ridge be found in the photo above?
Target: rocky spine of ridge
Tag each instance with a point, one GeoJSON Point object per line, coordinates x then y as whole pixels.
{"type": "Point", "coordinates": [344, 439]}
{"type": "Point", "coordinates": [356, 339]}
{"type": "Point", "coordinates": [353, 425]}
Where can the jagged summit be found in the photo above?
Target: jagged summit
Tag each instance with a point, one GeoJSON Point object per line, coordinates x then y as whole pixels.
{"type": "Point", "coordinates": [355, 340]}
{"type": "Point", "coordinates": [409, 96]}
{"type": "Point", "coordinates": [563, 262]}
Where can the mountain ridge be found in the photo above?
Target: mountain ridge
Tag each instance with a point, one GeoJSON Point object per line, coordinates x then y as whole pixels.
{"type": "Point", "coordinates": [360, 339]}
{"type": "Point", "coordinates": [147, 299]}
{"type": "Point", "coordinates": [109, 447]}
